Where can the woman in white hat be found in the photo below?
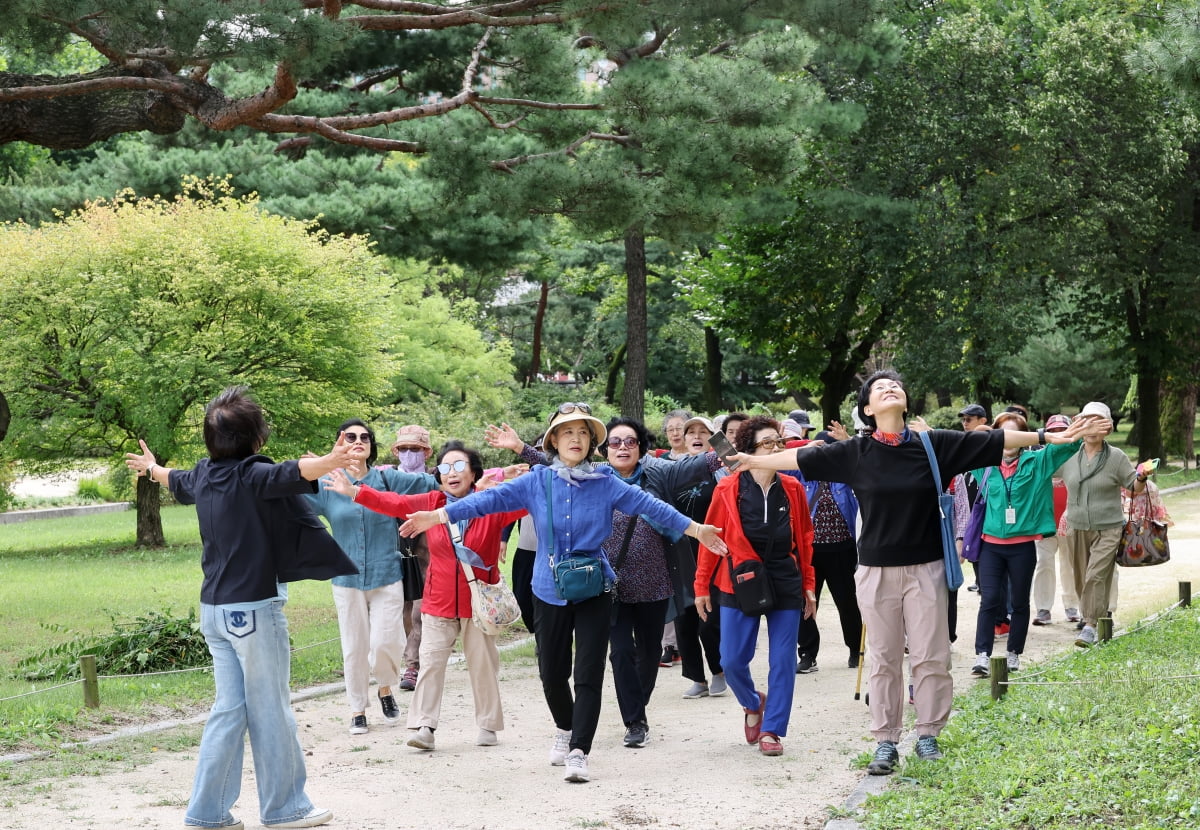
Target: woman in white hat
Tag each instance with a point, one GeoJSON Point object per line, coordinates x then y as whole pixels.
{"type": "Point", "coordinates": [571, 502]}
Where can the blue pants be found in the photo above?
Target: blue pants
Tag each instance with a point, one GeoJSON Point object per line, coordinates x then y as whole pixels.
{"type": "Point", "coordinates": [251, 664]}
{"type": "Point", "coordinates": [739, 637]}
{"type": "Point", "coordinates": [999, 567]}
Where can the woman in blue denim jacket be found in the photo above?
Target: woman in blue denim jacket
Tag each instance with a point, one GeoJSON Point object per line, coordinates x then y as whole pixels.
{"type": "Point", "coordinates": [370, 603]}
{"type": "Point", "coordinates": [571, 502]}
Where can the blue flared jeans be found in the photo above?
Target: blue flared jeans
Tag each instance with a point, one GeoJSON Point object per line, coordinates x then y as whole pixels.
{"type": "Point", "coordinates": [251, 668]}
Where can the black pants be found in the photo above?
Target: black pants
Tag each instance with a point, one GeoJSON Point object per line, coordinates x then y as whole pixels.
{"type": "Point", "coordinates": [834, 566]}
{"type": "Point", "coordinates": [588, 624]}
{"type": "Point", "coordinates": [690, 635]}
{"type": "Point", "coordinates": [635, 638]}
{"type": "Point", "coordinates": [522, 584]}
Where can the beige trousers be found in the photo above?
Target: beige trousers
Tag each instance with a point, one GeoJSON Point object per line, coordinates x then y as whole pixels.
{"type": "Point", "coordinates": [906, 605]}
{"type": "Point", "coordinates": [1050, 551]}
{"type": "Point", "coordinates": [1094, 555]}
{"type": "Point", "coordinates": [372, 638]}
{"type": "Point", "coordinates": [438, 635]}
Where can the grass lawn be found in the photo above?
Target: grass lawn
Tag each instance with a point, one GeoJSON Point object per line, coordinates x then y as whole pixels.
{"type": "Point", "coordinates": [62, 578]}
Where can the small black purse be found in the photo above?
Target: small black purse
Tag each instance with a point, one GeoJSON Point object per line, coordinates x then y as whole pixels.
{"type": "Point", "coordinates": [752, 588]}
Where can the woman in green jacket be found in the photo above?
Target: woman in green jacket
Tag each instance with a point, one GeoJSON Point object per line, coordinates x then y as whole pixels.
{"type": "Point", "coordinates": [1019, 512]}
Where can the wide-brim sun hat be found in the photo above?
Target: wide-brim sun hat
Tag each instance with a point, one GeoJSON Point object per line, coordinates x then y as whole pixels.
{"type": "Point", "coordinates": [578, 412]}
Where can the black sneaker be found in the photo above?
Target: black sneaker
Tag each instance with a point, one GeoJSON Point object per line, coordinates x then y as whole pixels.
{"type": "Point", "coordinates": [885, 760]}
{"type": "Point", "coordinates": [852, 663]}
{"type": "Point", "coordinates": [928, 749]}
{"type": "Point", "coordinates": [806, 664]}
{"type": "Point", "coordinates": [637, 735]}
{"type": "Point", "coordinates": [391, 712]}
{"type": "Point", "coordinates": [358, 725]}
{"type": "Point", "coordinates": [668, 656]}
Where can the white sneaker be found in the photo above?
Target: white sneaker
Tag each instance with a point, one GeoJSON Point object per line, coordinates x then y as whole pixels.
{"type": "Point", "coordinates": [717, 686]}
{"type": "Point", "coordinates": [981, 667]}
{"type": "Point", "coordinates": [695, 691]}
{"type": "Point", "coordinates": [422, 738]}
{"type": "Point", "coordinates": [562, 745]}
{"type": "Point", "coordinates": [577, 770]}
{"type": "Point", "coordinates": [316, 816]}
{"type": "Point", "coordinates": [1014, 661]}
{"type": "Point", "coordinates": [486, 737]}
{"type": "Point", "coordinates": [1087, 637]}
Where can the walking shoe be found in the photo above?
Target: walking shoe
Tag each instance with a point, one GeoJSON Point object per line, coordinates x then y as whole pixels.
{"type": "Point", "coordinates": [486, 737]}
{"type": "Point", "coordinates": [408, 681]}
{"type": "Point", "coordinates": [637, 735]}
{"type": "Point", "coordinates": [754, 730]}
{"type": "Point", "coordinates": [852, 663]}
{"type": "Point", "coordinates": [885, 760]}
{"type": "Point", "coordinates": [562, 745]}
{"type": "Point", "coordinates": [981, 667]}
{"type": "Point", "coordinates": [235, 824]}
{"type": "Point", "coordinates": [912, 701]}
{"type": "Point", "coordinates": [717, 686]}
{"type": "Point", "coordinates": [1072, 614]}
{"type": "Point", "coordinates": [1086, 638]}
{"type": "Point", "coordinates": [316, 816]}
{"type": "Point", "coordinates": [1002, 629]}
{"type": "Point", "coordinates": [391, 712]}
{"type": "Point", "coordinates": [1014, 661]}
{"type": "Point", "coordinates": [668, 656]}
{"type": "Point", "coordinates": [696, 690]}
{"type": "Point", "coordinates": [422, 738]}
{"type": "Point", "coordinates": [769, 744]}
{"type": "Point", "coordinates": [577, 771]}
{"type": "Point", "coordinates": [358, 725]}
{"type": "Point", "coordinates": [808, 665]}
{"type": "Point", "coordinates": [1043, 617]}
{"type": "Point", "coordinates": [927, 748]}
{"type": "Point", "coordinates": [1079, 626]}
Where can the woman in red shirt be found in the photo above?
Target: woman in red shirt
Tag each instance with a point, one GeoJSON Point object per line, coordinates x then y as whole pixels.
{"type": "Point", "coordinates": [766, 518]}
{"type": "Point", "coordinates": [446, 605]}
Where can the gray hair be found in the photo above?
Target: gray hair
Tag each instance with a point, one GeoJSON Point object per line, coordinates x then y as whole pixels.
{"type": "Point", "coordinates": [673, 414]}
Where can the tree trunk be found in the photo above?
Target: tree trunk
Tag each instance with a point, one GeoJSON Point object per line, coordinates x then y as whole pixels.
{"type": "Point", "coordinates": [5, 416]}
{"type": "Point", "coordinates": [712, 371]}
{"type": "Point", "coordinates": [539, 319]}
{"type": "Point", "coordinates": [1149, 412]}
{"type": "Point", "coordinates": [633, 398]}
{"type": "Point", "coordinates": [149, 515]}
{"type": "Point", "coordinates": [614, 372]}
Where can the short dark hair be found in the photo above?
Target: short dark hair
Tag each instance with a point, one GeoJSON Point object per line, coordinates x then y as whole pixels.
{"type": "Point", "coordinates": [356, 422]}
{"type": "Point", "coordinates": [744, 440]}
{"type": "Point", "coordinates": [864, 394]}
{"type": "Point", "coordinates": [474, 459]}
{"type": "Point", "coordinates": [639, 430]}
{"type": "Point", "coordinates": [734, 418]}
{"type": "Point", "coordinates": [234, 425]}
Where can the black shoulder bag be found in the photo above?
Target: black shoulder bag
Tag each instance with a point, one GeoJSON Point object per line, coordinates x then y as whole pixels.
{"type": "Point", "coordinates": [411, 572]}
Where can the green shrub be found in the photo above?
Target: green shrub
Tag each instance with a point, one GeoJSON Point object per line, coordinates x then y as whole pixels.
{"type": "Point", "coordinates": [95, 489]}
{"type": "Point", "coordinates": [156, 641]}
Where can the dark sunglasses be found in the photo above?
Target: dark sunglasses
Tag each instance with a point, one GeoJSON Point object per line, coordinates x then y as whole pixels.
{"type": "Point", "coordinates": [457, 466]}
{"type": "Point", "coordinates": [568, 408]}
{"type": "Point", "coordinates": [777, 443]}
{"type": "Point", "coordinates": [616, 443]}
{"type": "Point", "coordinates": [357, 437]}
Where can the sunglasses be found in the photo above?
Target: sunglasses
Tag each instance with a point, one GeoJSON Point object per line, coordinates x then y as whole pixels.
{"type": "Point", "coordinates": [357, 437]}
{"type": "Point", "coordinates": [457, 466]}
{"type": "Point", "coordinates": [617, 443]}
{"type": "Point", "coordinates": [408, 449]}
{"type": "Point", "coordinates": [568, 408]}
{"type": "Point", "coordinates": [777, 443]}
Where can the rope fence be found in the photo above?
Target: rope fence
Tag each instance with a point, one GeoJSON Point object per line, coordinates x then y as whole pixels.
{"type": "Point", "coordinates": [90, 678]}
{"type": "Point", "coordinates": [1104, 632]}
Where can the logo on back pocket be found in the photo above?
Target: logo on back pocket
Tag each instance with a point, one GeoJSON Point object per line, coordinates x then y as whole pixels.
{"type": "Point", "coordinates": [240, 623]}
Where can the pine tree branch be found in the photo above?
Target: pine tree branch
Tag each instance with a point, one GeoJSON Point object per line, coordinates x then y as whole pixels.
{"type": "Point", "coordinates": [507, 165]}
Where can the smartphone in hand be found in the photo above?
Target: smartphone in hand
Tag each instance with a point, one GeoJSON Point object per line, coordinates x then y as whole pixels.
{"type": "Point", "coordinates": [723, 448]}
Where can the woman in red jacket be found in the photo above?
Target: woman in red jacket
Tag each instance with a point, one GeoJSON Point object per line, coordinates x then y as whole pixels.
{"type": "Point", "coordinates": [766, 519]}
{"type": "Point", "coordinates": [446, 605]}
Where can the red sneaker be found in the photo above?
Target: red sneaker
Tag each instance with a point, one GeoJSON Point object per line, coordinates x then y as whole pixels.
{"type": "Point", "coordinates": [1002, 629]}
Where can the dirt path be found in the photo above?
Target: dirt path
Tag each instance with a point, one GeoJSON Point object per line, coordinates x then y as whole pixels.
{"type": "Point", "coordinates": [697, 772]}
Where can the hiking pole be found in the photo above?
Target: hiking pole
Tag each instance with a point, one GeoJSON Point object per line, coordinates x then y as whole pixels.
{"type": "Point", "coordinates": [862, 651]}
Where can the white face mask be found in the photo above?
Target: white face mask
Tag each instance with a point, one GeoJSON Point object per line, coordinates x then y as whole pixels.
{"type": "Point", "coordinates": [412, 461]}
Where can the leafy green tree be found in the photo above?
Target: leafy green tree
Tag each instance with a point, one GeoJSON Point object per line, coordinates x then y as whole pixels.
{"type": "Point", "coordinates": [121, 321]}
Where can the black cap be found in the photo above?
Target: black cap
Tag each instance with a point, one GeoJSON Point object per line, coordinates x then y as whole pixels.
{"type": "Point", "coordinates": [973, 409]}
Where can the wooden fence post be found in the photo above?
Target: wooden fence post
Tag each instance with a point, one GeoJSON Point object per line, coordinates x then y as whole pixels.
{"type": "Point", "coordinates": [1185, 594]}
{"type": "Point", "coordinates": [91, 687]}
{"type": "Point", "coordinates": [1104, 629]}
{"type": "Point", "coordinates": [999, 673]}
